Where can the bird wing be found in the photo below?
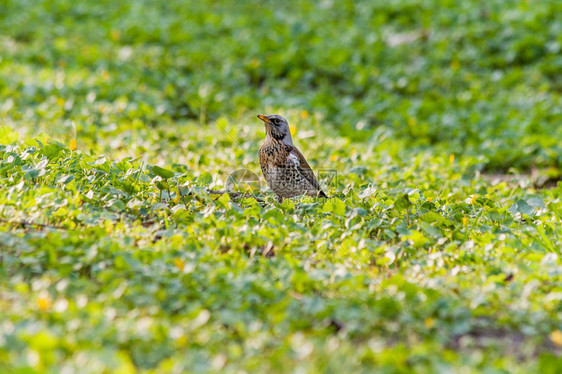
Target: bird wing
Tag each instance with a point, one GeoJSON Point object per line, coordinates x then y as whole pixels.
{"type": "Point", "coordinates": [295, 158]}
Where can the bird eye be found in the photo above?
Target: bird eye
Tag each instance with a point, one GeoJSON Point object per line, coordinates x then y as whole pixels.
{"type": "Point", "coordinates": [276, 121]}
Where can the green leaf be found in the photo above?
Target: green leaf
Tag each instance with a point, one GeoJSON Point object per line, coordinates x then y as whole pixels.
{"type": "Point", "coordinates": [402, 203]}
{"type": "Point", "coordinates": [430, 230]}
{"type": "Point", "coordinates": [522, 207]}
{"type": "Point", "coordinates": [432, 217]}
{"type": "Point", "coordinates": [51, 151]}
{"type": "Point", "coordinates": [334, 205]}
{"type": "Point", "coordinates": [536, 202]}
{"type": "Point", "coordinates": [205, 179]}
{"type": "Point", "coordinates": [99, 161]}
{"type": "Point", "coordinates": [224, 199]}
{"type": "Point", "coordinates": [273, 216]}
{"type": "Point", "coordinates": [118, 205]}
{"type": "Point", "coordinates": [164, 173]}
{"type": "Point", "coordinates": [65, 179]}
{"type": "Point", "coordinates": [31, 174]}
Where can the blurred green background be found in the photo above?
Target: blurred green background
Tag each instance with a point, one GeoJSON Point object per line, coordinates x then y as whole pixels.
{"type": "Point", "coordinates": [474, 78]}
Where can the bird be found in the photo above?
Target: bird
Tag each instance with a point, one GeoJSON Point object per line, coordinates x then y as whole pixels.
{"type": "Point", "coordinates": [284, 167]}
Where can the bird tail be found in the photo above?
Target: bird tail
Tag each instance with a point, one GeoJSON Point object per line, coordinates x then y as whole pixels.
{"type": "Point", "coordinates": [322, 194]}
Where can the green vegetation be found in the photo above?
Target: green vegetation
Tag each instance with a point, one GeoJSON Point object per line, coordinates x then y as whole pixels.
{"type": "Point", "coordinates": [441, 251]}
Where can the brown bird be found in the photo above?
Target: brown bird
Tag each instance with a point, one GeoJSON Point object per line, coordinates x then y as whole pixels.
{"type": "Point", "coordinates": [284, 167]}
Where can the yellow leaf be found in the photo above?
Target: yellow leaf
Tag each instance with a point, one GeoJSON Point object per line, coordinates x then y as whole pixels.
{"type": "Point", "coordinates": [44, 303]}
{"type": "Point", "coordinates": [182, 341]}
{"type": "Point", "coordinates": [255, 63]}
{"type": "Point", "coordinates": [180, 264]}
{"type": "Point", "coordinates": [464, 221]}
{"type": "Point", "coordinates": [429, 322]}
{"type": "Point", "coordinates": [293, 129]}
{"type": "Point", "coordinates": [125, 364]}
{"type": "Point", "coordinates": [429, 199]}
{"type": "Point", "coordinates": [452, 158]}
{"type": "Point", "coordinates": [556, 337]}
{"type": "Point", "coordinates": [115, 35]}
{"type": "Point", "coordinates": [304, 114]}
{"type": "Point", "coordinates": [473, 199]}
{"type": "Point", "coordinates": [455, 64]}
{"type": "Point", "coordinates": [72, 144]}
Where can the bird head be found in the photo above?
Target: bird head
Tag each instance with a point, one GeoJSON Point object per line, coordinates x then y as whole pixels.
{"type": "Point", "coordinates": [277, 127]}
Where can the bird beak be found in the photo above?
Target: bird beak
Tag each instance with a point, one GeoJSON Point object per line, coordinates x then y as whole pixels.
{"type": "Point", "coordinates": [263, 118]}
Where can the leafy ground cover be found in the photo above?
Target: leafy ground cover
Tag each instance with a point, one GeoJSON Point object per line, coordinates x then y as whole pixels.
{"type": "Point", "coordinates": [439, 251]}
